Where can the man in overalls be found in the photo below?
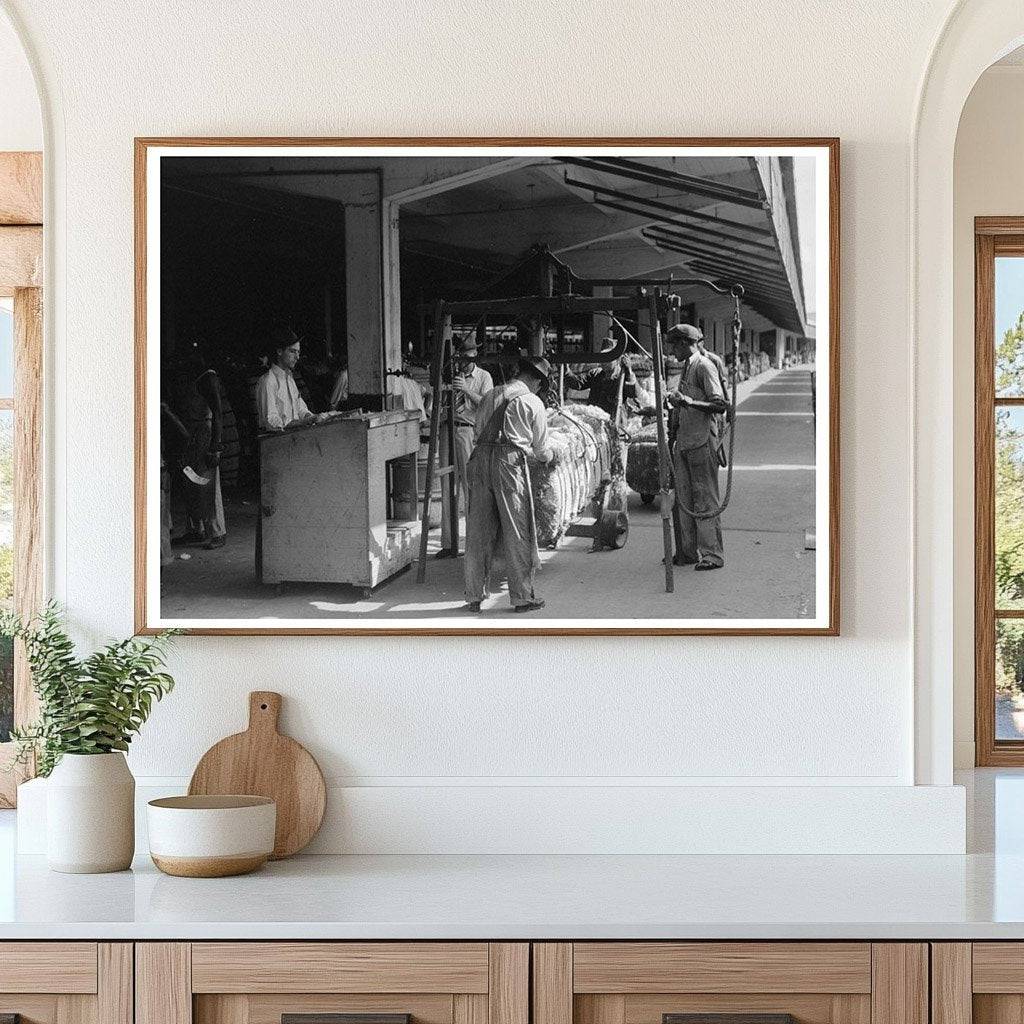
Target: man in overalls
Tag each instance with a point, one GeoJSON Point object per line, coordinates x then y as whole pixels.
{"type": "Point", "coordinates": [511, 427]}
{"type": "Point", "coordinates": [698, 404]}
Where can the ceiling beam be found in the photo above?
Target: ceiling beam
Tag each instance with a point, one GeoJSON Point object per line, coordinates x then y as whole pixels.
{"type": "Point", "coordinates": [439, 185]}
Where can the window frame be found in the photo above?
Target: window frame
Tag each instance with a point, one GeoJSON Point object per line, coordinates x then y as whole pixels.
{"type": "Point", "coordinates": [993, 237]}
{"type": "Point", "coordinates": [21, 258]}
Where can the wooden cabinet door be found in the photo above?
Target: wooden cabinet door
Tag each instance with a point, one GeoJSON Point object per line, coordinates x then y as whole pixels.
{"type": "Point", "coordinates": [66, 982]}
{"type": "Point", "coordinates": [263, 982]}
{"type": "Point", "coordinates": [736, 982]}
{"type": "Point", "coordinates": [979, 982]}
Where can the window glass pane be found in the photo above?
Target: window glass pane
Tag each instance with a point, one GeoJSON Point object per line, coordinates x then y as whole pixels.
{"type": "Point", "coordinates": [1009, 679]}
{"type": "Point", "coordinates": [6, 567]}
{"type": "Point", "coordinates": [6, 348]}
{"type": "Point", "coordinates": [1009, 324]}
{"type": "Point", "coordinates": [1009, 533]}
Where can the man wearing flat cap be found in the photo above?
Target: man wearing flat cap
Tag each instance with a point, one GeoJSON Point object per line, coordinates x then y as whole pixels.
{"type": "Point", "coordinates": [512, 431]}
{"type": "Point", "coordinates": [469, 386]}
{"type": "Point", "coordinates": [698, 403]}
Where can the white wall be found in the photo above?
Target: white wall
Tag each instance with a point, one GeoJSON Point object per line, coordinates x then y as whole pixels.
{"type": "Point", "coordinates": [445, 713]}
{"type": "Point", "coordinates": [988, 181]}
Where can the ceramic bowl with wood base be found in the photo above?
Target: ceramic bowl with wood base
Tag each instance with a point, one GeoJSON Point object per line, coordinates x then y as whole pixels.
{"type": "Point", "coordinates": [211, 836]}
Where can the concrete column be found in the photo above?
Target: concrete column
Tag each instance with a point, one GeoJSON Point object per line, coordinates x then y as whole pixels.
{"type": "Point", "coordinates": [780, 349]}
{"type": "Point", "coordinates": [374, 341]}
{"type": "Point", "coordinates": [393, 349]}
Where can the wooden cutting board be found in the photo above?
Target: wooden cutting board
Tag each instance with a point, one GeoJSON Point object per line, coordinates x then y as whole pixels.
{"type": "Point", "coordinates": [262, 762]}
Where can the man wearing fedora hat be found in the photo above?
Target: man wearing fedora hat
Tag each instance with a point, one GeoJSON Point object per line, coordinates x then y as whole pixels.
{"type": "Point", "coordinates": [512, 428]}
{"type": "Point", "coordinates": [469, 385]}
{"type": "Point", "coordinates": [603, 381]}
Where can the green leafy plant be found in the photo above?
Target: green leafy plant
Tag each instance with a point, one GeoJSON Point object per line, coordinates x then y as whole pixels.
{"type": "Point", "coordinates": [90, 705]}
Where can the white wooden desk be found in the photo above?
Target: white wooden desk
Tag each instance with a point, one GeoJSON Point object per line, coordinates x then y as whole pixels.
{"type": "Point", "coordinates": [324, 502]}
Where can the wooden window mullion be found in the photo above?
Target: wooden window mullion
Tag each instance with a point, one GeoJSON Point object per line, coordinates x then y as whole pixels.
{"type": "Point", "coordinates": [984, 501]}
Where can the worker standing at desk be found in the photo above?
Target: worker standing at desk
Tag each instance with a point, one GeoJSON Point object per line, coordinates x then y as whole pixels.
{"type": "Point", "coordinates": [278, 402]}
{"type": "Point", "coordinates": [470, 385]}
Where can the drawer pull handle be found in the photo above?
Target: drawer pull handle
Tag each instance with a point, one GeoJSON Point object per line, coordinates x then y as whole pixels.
{"type": "Point", "coordinates": [728, 1018]}
{"type": "Point", "coordinates": [341, 1018]}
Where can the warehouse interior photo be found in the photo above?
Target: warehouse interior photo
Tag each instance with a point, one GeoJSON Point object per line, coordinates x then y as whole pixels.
{"type": "Point", "coordinates": [350, 258]}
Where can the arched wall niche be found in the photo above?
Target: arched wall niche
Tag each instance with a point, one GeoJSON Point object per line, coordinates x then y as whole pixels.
{"type": "Point", "coordinates": [975, 34]}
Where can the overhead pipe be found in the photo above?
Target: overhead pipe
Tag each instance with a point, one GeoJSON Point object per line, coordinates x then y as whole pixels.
{"type": "Point", "coordinates": [720, 237]}
{"type": "Point", "coordinates": [646, 215]}
{"type": "Point", "coordinates": [765, 273]}
{"type": "Point", "coordinates": [724, 267]}
{"type": "Point", "coordinates": [696, 186]}
{"type": "Point", "coordinates": [657, 204]}
{"type": "Point", "coordinates": [656, 233]}
{"type": "Point", "coordinates": [690, 180]}
{"type": "Point", "coordinates": [756, 288]}
{"type": "Point", "coordinates": [720, 270]}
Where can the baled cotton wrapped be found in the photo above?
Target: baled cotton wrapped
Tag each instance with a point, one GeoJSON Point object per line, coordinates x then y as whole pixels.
{"type": "Point", "coordinates": [581, 439]}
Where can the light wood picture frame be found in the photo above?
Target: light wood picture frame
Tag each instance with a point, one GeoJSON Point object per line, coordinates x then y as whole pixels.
{"type": "Point", "coordinates": [782, 248]}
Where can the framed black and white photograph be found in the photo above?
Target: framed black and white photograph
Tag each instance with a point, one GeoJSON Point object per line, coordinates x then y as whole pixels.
{"type": "Point", "coordinates": [487, 386]}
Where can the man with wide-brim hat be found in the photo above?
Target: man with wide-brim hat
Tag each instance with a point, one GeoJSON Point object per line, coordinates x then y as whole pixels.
{"type": "Point", "coordinates": [602, 381]}
{"type": "Point", "coordinates": [469, 385]}
{"type": "Point", "coordinates": [511, 430]}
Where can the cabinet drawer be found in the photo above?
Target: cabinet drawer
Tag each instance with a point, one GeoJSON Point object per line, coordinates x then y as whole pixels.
{"type": "Point", "coordinates": [735, 982]}
{"type": "Point", "coordinates": [48, 967]}
{"type": "Point", "coordinates": [261, 982]}
{"type": "Point", "coordinates": [340, 967]}
{"type": "Point", "coordinates": [634, 967]}
{"type": "Point", "coordinates": [66, 982]}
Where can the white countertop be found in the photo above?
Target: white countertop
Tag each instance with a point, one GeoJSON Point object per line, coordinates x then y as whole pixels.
{"type": "Point", "coordinates": [532, 897]}
{"type": "Point", "coordinates": [978, 896]}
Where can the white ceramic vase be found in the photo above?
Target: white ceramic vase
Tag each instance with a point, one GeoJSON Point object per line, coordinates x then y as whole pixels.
{"type": "Point", "coordinates": [90, 814]}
